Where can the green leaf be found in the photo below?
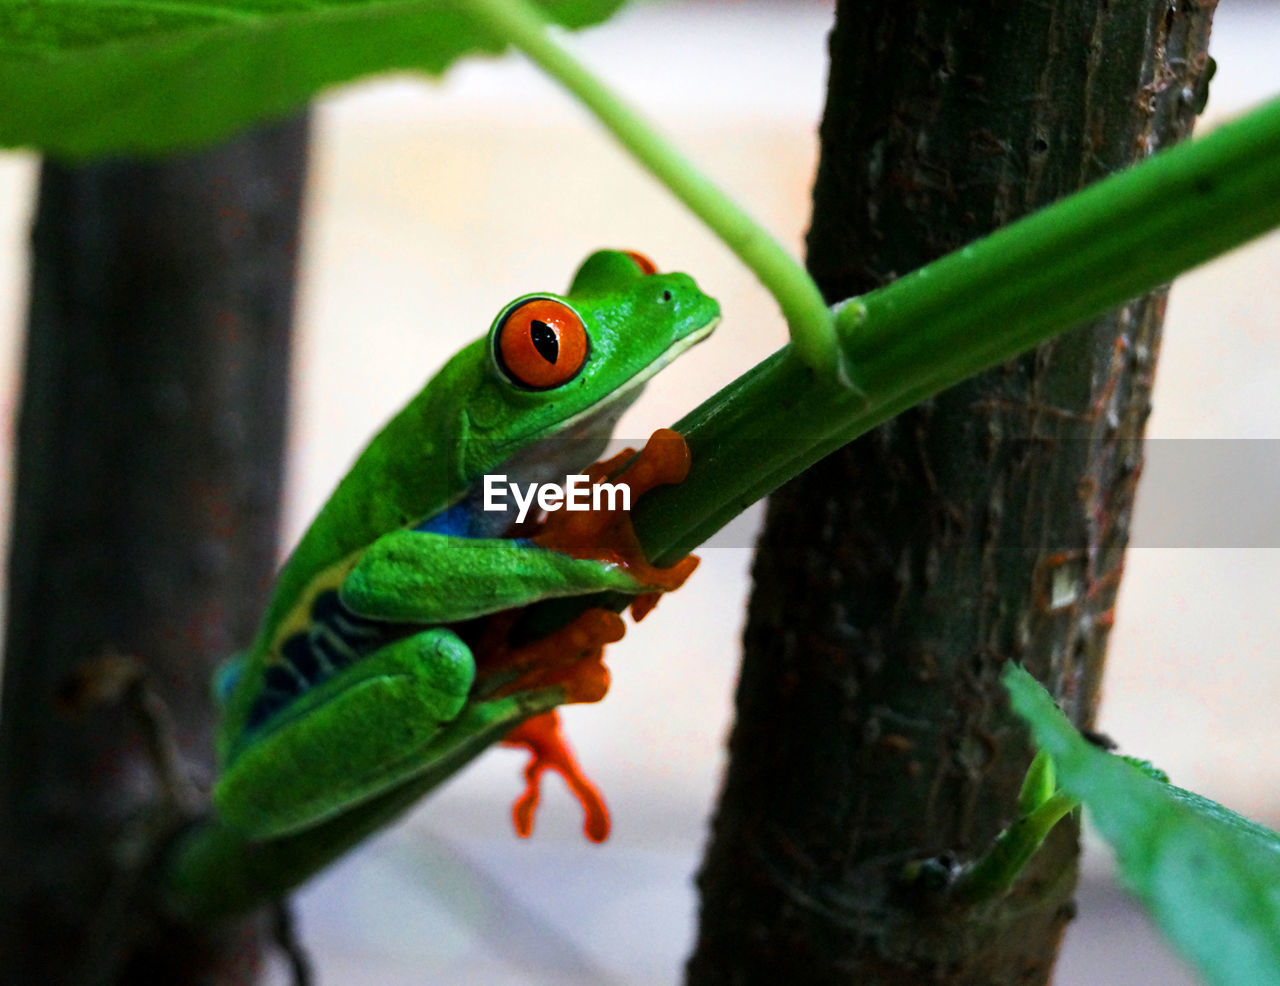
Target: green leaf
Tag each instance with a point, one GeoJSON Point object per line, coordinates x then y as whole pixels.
{"type": "Point", "coordinates": [1210, 877]}
{"type": "Point", "coordinates": [86, 77]}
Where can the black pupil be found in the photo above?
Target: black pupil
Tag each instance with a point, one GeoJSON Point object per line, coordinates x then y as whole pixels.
{"type": "Point", "coordinates": [545, 340]}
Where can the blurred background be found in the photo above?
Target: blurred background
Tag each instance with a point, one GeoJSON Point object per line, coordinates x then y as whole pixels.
{"type": "Point", "coordinates": [431, 205]}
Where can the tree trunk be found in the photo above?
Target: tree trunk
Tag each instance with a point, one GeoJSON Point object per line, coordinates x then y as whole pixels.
{"type": "Point", "coordinates": [147, 505]}
{"type": "Point", "coordinates": [894, 580]}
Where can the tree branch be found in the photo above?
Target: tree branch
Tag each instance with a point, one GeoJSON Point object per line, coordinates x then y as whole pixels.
{"type": "Point", "coordinates": [895, 578]}
{"type": "Point", "coordinates": [148, 482]}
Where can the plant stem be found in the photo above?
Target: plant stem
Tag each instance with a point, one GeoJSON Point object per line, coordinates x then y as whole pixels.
{"type": "Point", "coordinates": [808, 318]}
{"type": "Point", "coordinates": [995, 870]}
{"type": "Point", "coordinates": [970, 310]}
{"type": "Point", "coordinates": [1039, 785]}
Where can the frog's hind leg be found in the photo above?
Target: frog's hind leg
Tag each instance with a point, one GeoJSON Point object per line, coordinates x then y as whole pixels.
{"type": "Point", "coordinates": [361, 732]}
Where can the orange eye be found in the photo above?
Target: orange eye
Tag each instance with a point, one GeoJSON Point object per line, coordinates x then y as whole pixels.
{"type": "Point", "coordinates": [646, 265]}
{"type": "Point", "coordinates": [542, 343]}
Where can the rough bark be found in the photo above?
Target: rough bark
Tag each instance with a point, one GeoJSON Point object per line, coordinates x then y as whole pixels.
{"type": "Point", "coordinates": [894, 580]}
{"type": "Point", "coordinates": [148, 481]}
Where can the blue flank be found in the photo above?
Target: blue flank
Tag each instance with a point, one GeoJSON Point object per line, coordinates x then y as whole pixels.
{"type": "Point", "coordinates": [466, 519]}
{"type": "Point", "coordinates": [335, 637]}
{"type": "Point", "coordinates": [459, 521]}
{"type": "Point", "coordinates": [225, 678]}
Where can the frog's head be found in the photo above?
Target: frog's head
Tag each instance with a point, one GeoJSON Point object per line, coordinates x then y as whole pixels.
{"type": "Point", "coordinates": [558, 370]}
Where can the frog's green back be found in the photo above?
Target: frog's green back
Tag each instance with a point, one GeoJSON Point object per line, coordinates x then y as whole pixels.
{"type": "Point", "coordinates": [408, 472]}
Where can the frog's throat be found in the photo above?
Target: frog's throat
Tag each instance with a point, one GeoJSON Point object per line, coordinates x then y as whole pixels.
{"type": "Point", "coordinates": [631, 389]}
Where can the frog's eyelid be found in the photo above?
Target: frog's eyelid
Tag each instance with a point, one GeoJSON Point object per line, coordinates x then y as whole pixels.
{"type": "Point", "coordinates": [646, 265]}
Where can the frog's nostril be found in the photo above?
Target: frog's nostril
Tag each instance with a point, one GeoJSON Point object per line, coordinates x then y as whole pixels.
{"type": "Point", "coordinates": [666, 296]}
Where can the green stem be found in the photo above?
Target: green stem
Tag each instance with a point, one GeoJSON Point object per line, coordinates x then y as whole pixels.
{"type": "Point", "coordinates": [971, 310]}
{"type": "Point", "coordinates": [995, 870]}
{"type": "Point", "coordinates": [1039, 784]}
{"type": "Point", "coordinates": [808, 318]}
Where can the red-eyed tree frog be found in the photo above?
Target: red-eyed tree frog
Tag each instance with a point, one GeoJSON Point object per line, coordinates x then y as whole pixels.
{"type": "Point", "coordinates": [363, 674]}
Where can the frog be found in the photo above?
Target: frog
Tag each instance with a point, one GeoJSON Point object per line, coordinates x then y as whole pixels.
{"type": "Point", "coordinates": [362, 676]}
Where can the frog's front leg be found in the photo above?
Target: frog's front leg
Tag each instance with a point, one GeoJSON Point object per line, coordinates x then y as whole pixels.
{"type": "Point", "coordinates": [376, 724]}
{"type": "Point", "coordinates": [412, 576]}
